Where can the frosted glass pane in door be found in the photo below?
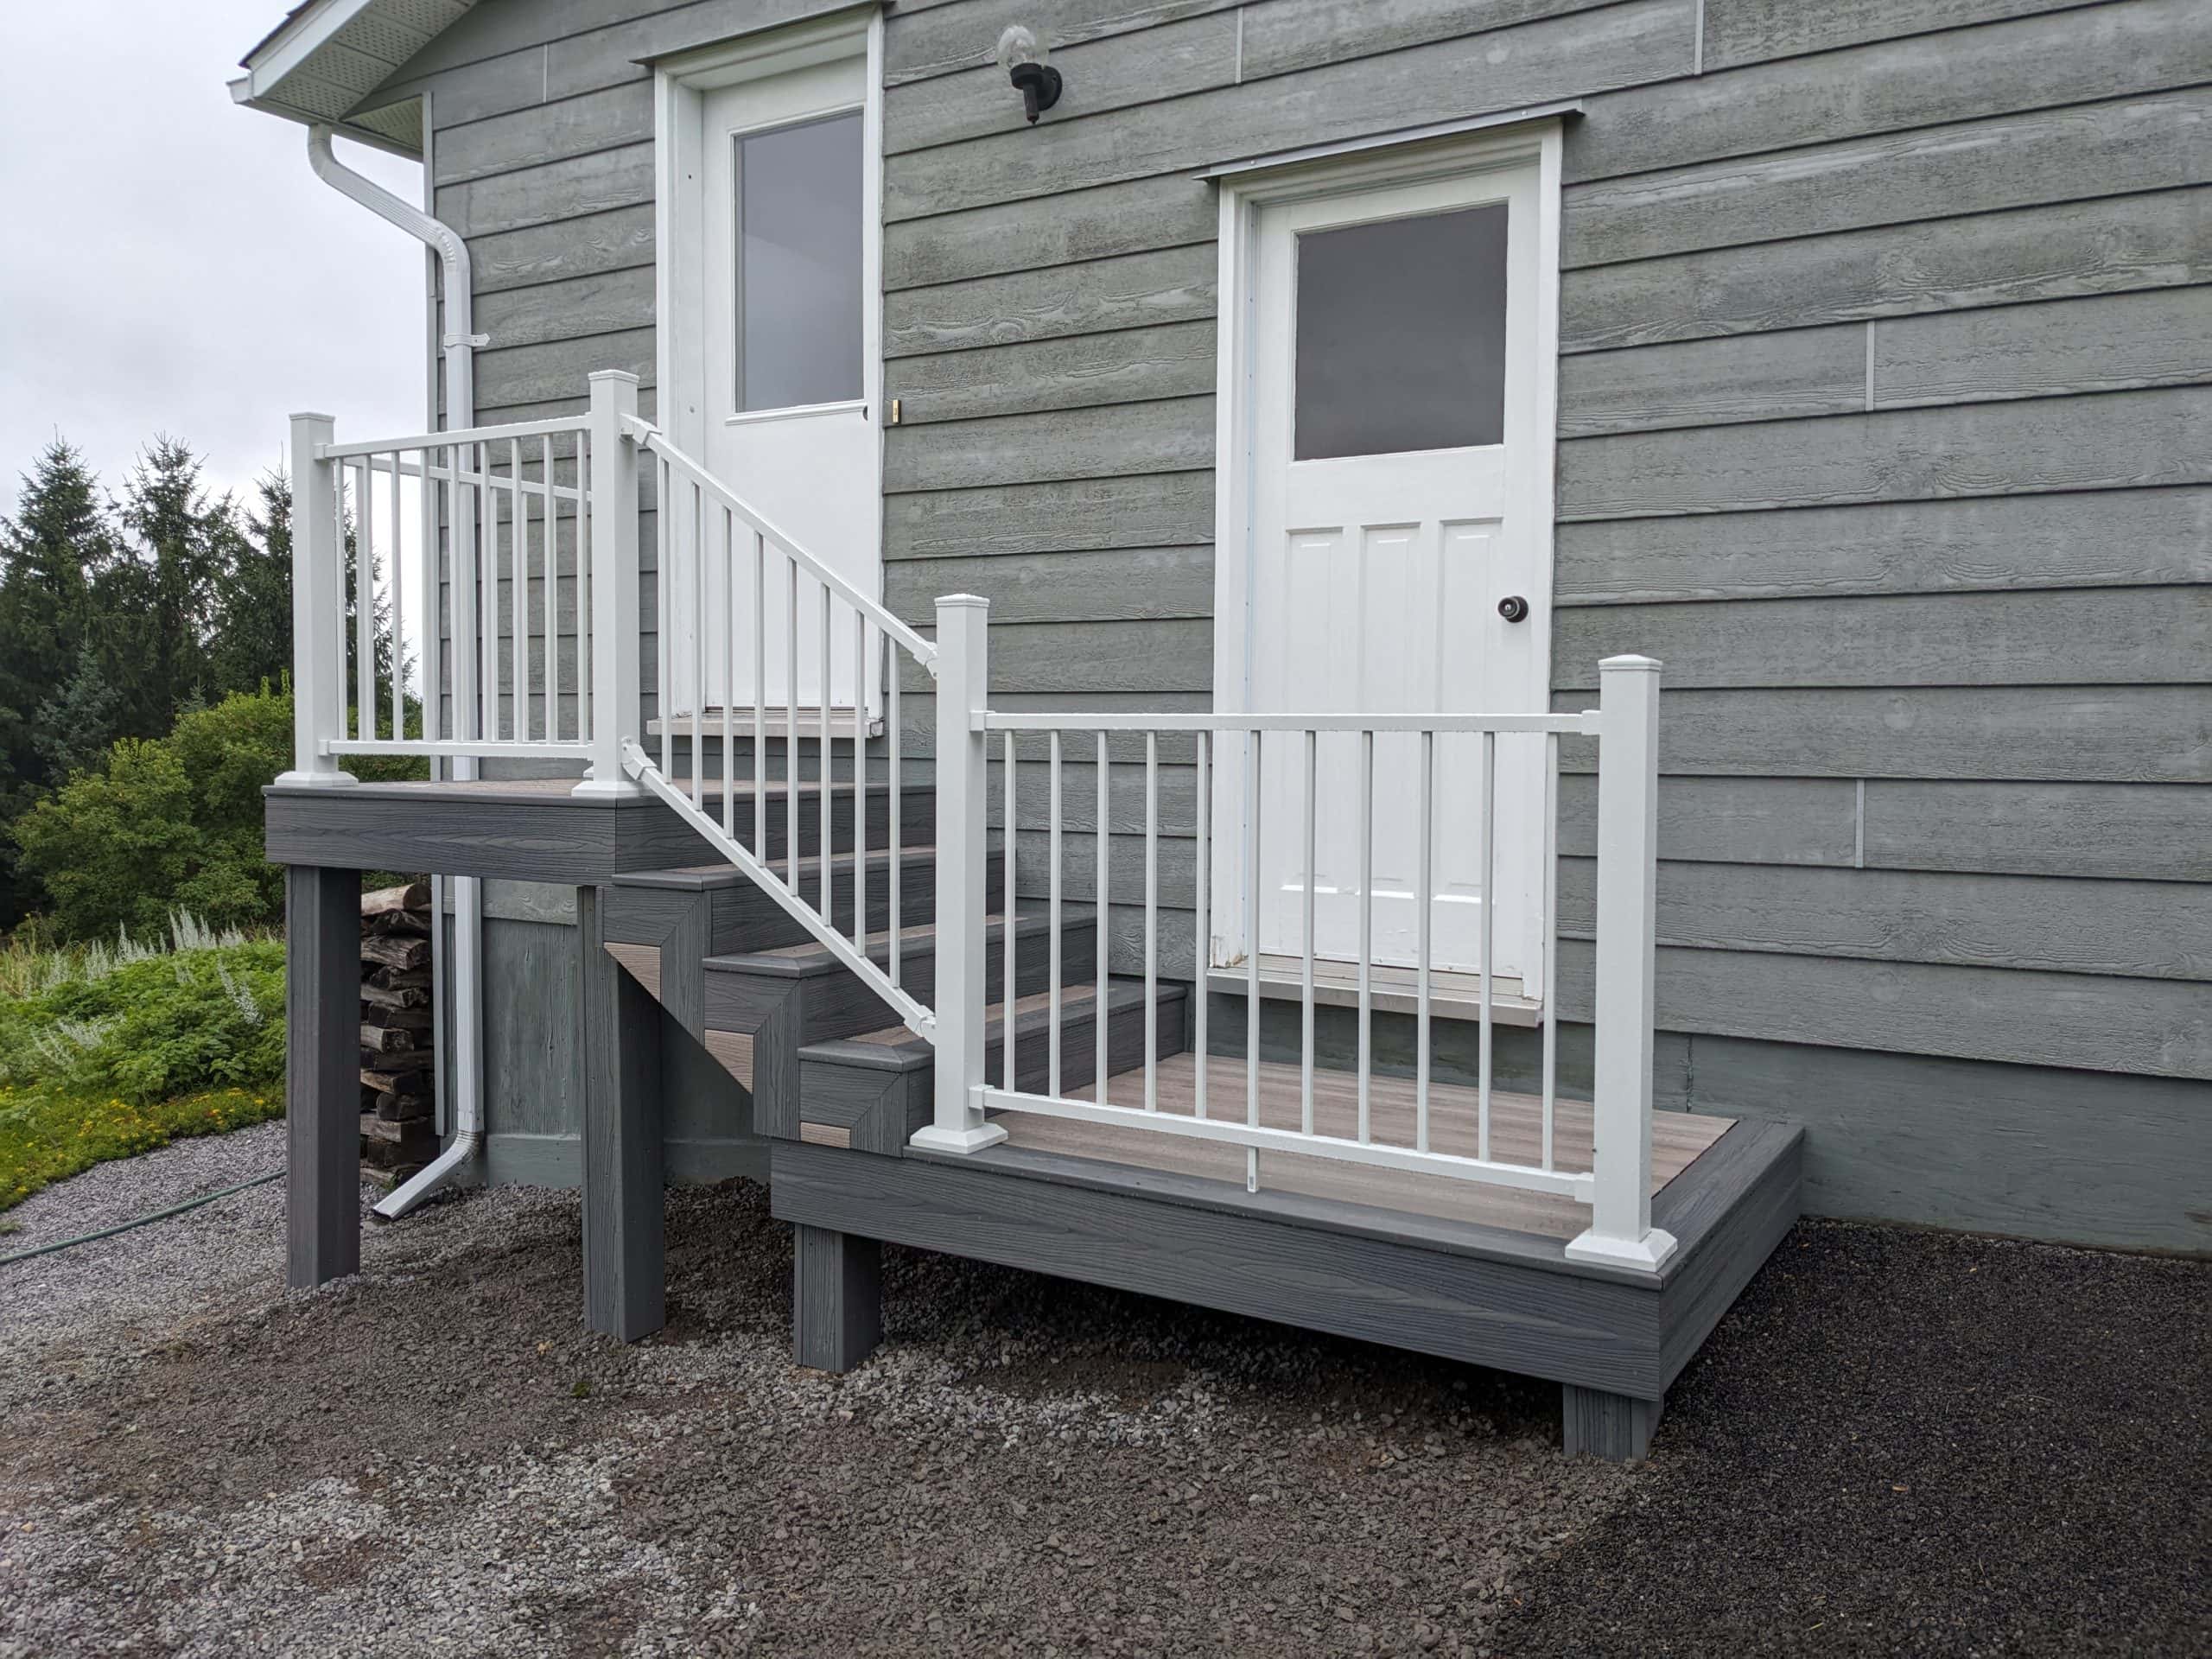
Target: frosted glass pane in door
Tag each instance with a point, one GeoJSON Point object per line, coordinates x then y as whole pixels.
{"type": "Point", "coordinates": [798, 273]}
{"type": "Point", "coordinates": [1401, 335]}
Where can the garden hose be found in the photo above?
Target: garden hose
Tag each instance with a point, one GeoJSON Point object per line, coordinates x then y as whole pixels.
{"type": "Point", "coordinates": [142, 1221]}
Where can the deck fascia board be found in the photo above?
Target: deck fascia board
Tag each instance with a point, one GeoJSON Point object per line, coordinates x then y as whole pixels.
{"type": "Point", "coordinates": [1485, 1295]}
{"type": "Point", "coordinates": [523, 834]}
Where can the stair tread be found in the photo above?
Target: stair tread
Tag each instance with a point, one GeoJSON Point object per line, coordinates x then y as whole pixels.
{"type": "Point", "coordinates": [1031, 1013]}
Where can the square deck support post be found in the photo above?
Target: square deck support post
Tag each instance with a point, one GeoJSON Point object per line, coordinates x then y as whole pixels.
{"type": "Point", "coordinates": [625, 1249]}
{"type": "Point", "coordinates": [837, 1298]}
{"type": "Point", "coordinates": [963, 785]}
{"type": "Point", "coordinates": [318, 607]}
{"type": "Point", "coordinates": [322, 1075]}
{"type": "Point", "coordinates": [1627, 962]}
{"type": "Point", "coordinates": [1614, 1426]}
{"type": "Point", "coordinates": [617, 692]}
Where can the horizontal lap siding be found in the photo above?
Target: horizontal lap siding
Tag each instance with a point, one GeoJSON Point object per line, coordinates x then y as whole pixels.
{"type": "Point", "coordinates": [1888, 435]}
{"type": "Point", "coordinates": [542, 157]}
{"type": "Point", "coordinates": [1885, 406]}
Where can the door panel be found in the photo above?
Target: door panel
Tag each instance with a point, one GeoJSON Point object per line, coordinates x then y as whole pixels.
{"type": "Point", "coordinates": [1393, 424]}
{"type": "Point", "coordinates": [775, 353]}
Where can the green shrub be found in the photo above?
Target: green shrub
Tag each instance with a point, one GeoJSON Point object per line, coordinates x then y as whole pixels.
{"type": "Point", "coordinates": [110, 1050]}
{"type": "Point", "coordinates": [172, 824]}
{"type": "Point", "coordinates": [144, 1027]}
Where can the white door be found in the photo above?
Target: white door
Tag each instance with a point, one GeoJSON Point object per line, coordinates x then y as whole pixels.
{"type": "Point", "coordinates": [773, 360]}
{"type": "Point", "coordinates": [1400, 471]}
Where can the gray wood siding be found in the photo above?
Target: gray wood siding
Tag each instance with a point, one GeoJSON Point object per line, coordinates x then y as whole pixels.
{"type": "Point", "coordinates": [1883, 418]}
{"type": "Point", "coordinates": [1886, 419]}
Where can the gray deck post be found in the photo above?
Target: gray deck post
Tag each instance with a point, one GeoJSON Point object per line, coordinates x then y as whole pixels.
{"type": "Point", "coordinates": [322, 1074]}
{"type": "Point", "coordinates": [624, 1265]}
{"type": "Point", "coordinates": [1614, 1427]}
{"type": "Point", "coordinates": [837, 1298]}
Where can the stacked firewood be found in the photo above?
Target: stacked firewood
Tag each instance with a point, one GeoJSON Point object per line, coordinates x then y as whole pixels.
{"type": "Point", "coordinates": [399, 1135]}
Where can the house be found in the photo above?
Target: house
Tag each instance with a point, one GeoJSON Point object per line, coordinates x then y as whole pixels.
{"type": "Point", "coordinates": [1331, 426]}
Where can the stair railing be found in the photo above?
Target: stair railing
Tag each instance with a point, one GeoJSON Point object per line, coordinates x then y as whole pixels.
{"type": "Point", "coordinates": [727, 576]}
{"type": "Point", "coordinates": [1616, 1183]}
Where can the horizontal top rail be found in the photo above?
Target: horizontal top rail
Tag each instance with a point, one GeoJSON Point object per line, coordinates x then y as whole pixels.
{"type": "Point", "coordinates": [381, 464]}
{"type": "Point", "coordinates": [656, 440]}
{"type": "Point", "coordinates": [559, 424]}
{"type": "Point", "coordinates": [991, 720]}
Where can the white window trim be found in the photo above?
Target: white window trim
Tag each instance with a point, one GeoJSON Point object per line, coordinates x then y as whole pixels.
{"type": "Point", "coordinates": [1245, 188]}
{"type": "Point", "coordinates": [678, 83]}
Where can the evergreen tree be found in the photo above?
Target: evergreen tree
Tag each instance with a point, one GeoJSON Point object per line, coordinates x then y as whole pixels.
{"type": "Point", "coordinates": [184, 542]}
{"type": "Point", "coordinates": [77, 723]}
{"type": "Point", "coordinates": [253, 624]}
{"type": "Point", "coordinates": [52, 554]}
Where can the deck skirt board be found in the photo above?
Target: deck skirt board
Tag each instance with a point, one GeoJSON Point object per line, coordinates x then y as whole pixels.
{"type": "Point", "coordinates": [1678, 1138]}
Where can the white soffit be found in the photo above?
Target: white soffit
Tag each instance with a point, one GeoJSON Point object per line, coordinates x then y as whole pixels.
{"type": "Point", "coordinates": [327, 56]}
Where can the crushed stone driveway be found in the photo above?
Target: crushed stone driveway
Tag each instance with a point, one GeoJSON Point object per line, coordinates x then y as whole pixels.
{"type": "Point", "coordinates": [1896, 1442]}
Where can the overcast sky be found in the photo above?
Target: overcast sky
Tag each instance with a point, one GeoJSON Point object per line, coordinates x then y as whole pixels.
{"type": "Point", "coordinates": [169, 263]}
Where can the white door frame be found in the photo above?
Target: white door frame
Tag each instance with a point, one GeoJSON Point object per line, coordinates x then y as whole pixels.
{"type": "Point", "coordinates": [1243, 193]}
{"type": "Point", "coordinates": [679, 84]}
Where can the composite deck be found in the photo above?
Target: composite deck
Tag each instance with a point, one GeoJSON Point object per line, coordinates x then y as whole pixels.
{"type": "Point", "coordinates": [680, 949]}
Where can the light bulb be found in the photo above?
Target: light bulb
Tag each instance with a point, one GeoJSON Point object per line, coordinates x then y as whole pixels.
{"type": "Point", "coordinates": [1018, 45]}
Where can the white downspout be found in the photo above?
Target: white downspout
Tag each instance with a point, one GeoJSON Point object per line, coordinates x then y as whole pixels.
{"type": "Point", "coordinates": [459, 345]}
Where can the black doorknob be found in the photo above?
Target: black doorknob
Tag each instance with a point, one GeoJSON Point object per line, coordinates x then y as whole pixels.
{"type": "Point", "coordinates": [1513, 608]}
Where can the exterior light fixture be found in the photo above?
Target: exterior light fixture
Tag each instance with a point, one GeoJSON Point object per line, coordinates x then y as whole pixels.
{"type": "Point", "coordinates": [1022, 55]}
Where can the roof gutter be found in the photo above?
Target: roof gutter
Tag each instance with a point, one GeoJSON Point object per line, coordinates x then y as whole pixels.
{"type": "Point", "coordinates": [459, 344]}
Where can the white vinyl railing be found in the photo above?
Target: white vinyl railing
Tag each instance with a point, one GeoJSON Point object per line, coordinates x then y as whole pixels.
{"type": "Point", "coordinates": [500, 501]}
{"type": "Point", "coordinates": [752, 594]}
{"type": "Point", "coordinates": [468, 527]}
{"type": "Point", "coordinates": [1616, 1186]}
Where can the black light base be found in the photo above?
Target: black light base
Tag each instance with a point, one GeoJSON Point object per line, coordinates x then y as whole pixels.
{"type": "Point", "coordinates": [1039, 85]}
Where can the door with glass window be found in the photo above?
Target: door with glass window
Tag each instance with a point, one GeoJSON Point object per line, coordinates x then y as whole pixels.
{"type": "Point", "coordinates": [1394, 432]}
{"type": "Point", "coordinates": [776, 368]}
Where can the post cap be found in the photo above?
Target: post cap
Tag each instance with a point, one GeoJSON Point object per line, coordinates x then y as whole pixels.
{"type": "Point", "coordinates": [1630, 664]}
{"type": "Point", "coordinates": [613, 374]}
{"type": "Point", "coordinates": [312, 415]}
{"type": "Point", "coordinates": [963, 603]}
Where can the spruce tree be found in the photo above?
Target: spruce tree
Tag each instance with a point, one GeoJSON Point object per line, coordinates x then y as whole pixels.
{"type": "Point", "coordinates": [254, 622]}
{"type": "Point", "coordinates": [53, 551]}
{"type": "Point", "coordinates": [170, 609]}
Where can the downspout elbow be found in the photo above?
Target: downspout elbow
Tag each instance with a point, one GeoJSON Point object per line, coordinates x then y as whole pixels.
{"type": "Point", "coordinates": [452, 250]}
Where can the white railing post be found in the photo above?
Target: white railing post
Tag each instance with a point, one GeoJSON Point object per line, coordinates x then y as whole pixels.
{"type": "Point", "coordinates": [318, 606]}
{"type": "Point", "coordinates": [1628, 834]}
{"type": "Point", "coordinates": [617, 695]}
{"type": "Point", "coordinates": [962, 777]}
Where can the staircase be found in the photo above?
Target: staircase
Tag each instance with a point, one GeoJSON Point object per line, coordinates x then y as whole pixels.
{"type": "Point", "coordinates": [823, 1057]}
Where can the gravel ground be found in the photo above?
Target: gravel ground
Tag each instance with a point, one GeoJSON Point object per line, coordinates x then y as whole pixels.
{"type": "Point", "coordinates": [1916, 1443]}
{"type": "Point", "coordinates": [433, 1456]}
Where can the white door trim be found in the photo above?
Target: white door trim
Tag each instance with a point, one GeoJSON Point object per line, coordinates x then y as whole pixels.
{"type": "Point", "coordinates": [678, 84]}
{"type": "Point", "coordinates": [1242, 196]}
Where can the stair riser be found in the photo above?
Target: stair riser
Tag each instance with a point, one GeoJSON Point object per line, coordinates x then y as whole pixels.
{"type": "Point", "coordinates": [874, 1111]}
{"type": "Point", "coordinates": [746, 918]}
{"type": "Point", "coordinates": [917, 811]}
{"type": "Point", "coordinates": [830, 1012]}
{"type": "Point", "coordinates": [835, 1004]}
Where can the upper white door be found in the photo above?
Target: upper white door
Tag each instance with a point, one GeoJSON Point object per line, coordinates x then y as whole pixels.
{"type": "Point", "coordinates": [1399, 477]}
{"type": "Point", "coordinates": [775, 359]}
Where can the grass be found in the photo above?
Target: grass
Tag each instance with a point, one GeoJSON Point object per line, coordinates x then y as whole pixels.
{"type": "Point", "coordinates": [107, 1051]}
